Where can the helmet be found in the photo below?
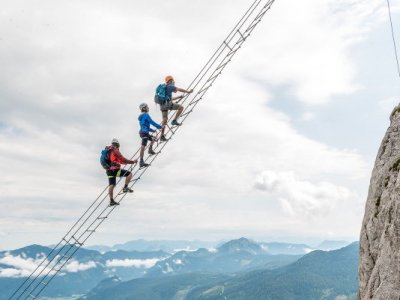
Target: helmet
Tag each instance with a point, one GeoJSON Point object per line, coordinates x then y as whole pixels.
{"type": "Point", "coordinates": [142, 106]}
{"type": "Point", "coordinates": [115, 142]}
{"type": "Point", "coordinates": [168, 78]}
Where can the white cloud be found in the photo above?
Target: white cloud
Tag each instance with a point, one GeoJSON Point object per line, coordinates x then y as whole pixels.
{"type": "Point", "coordinates": [22, 266]}
{"type": "Point", "coordinates": [302, 198]}
{"type": "Point", "coordinates": [137, 263]}
{"type": "Point", "coordinates": [74, 266]}
{"type": "Point", "coordinates": [308, 116]}
{"type": "Point", "coordinates": [178, 262]}
{"type": "Point", "coordinates": [73, 76]}
{"type": "Point", "coordinates": [309, 49]}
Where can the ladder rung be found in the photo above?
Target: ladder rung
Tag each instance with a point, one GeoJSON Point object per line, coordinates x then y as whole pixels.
{"type": "Point", "coordinates": [194, 102]}
{"type": "Point", "coordinates": [215, 76]}
{"type": "Point", "coordinates": [205, 89]}
{"type": "Point", "coordinates": [66, 242]}
{"type": "Point", "coordinates": [99, 218]}
{"type": "Point", "coordinates": [77, 242]}
{"type": "Point", "coordinates": [238, 31]}
{"type": "Point", "coordinates": [232, 52]}
{"type": "Point", "coordinates": [186, 113]}
{"type": "Point", "coordinates": [91, 230]}
{"type": "Point", "coordinates": [227, 45]}
{"type": "Point", "coordinates": [252, 26]}
{"type": "Point", "coordinates": [222, 65]}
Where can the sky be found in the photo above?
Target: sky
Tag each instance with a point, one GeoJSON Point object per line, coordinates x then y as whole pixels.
{"type": "Point", "coordinates": [280, 149]}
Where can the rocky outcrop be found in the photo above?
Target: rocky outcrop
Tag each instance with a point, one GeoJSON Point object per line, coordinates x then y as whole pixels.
{"type": "Point", "coordinates": [379, 262]}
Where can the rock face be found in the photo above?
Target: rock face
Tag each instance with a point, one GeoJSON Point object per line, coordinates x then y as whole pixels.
{"type": "Point", "coordinates": [379, 262]}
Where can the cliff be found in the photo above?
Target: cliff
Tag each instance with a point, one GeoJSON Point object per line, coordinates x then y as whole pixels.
{"type": "Point", "coordinates": [379, 261]}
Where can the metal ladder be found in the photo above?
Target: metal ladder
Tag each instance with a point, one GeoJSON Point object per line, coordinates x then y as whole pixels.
{"type": "Point", "coordinates": [99, 210]}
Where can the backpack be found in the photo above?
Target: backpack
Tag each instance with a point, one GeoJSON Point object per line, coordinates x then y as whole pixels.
{"type": "Point", "coordinates": [105, 158]}
{"type": "Point", "coordinates": [161, 94]}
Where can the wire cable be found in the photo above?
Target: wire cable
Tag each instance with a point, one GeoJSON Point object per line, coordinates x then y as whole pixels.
{"type": "Point", "coordinates": [393, 38]}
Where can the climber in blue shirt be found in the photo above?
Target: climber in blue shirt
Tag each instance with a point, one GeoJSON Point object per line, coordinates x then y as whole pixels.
{"type": "Point", "coordinates": [145, 121]}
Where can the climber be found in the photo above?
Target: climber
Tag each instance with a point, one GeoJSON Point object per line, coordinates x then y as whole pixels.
{"type": "Point", "coordinates": [145, 121]}
{"type": "Point", "coordinates": [111, 160]}
{"type": "Point", "coordinates": [165, 99]}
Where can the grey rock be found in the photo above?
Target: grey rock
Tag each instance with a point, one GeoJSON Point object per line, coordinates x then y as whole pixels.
{"type": "Point", "coordinates": [379, 261]}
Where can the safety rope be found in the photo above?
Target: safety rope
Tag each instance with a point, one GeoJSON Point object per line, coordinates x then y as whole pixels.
{"type": "Point", "coordinates": [99, 210]}
{"type": "Point", "coordinates": [393, 38]}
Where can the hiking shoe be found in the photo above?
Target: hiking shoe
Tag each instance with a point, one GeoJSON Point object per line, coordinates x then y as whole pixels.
{"type": "Point", "coordinates": [151, 152]}
{"type": "Point", "coordinates": [143, 164]}
{"type": "Point", "coordinates": [127, 190]}
{"type": "Point", "coordinates": [175, 123]}
{"type": "Point", "coordinates": [163, 138]}
{"type": "Point", "coordinates": [112, 202]}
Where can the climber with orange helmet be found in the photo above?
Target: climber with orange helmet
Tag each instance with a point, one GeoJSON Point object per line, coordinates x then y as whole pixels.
{"type": "Point", "coordinates": [145, 121]}
{"type": "Point", "coordinates": [164, 98]}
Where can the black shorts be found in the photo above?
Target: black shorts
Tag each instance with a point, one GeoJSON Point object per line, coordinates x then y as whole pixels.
{"type": "Point", "coordinates": [145, 138]}
{"type": "Point", "coordinates": [113, 174]}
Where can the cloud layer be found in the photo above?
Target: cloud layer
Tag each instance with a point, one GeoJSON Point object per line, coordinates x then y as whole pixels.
{"type": "Point", "coordinates": [299, 197]}
{"type": "Point", "coordinates": [74, 73]}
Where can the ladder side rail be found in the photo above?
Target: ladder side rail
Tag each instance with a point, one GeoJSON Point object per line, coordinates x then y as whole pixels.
{"type": "Point", "coordinates": [214, 75]}
{"type": "Point", "coordinates": [28, 289]}
{"type": "Point", "coordinates": [40, 269]}
{"type": "Point", "coordinates": [238, 24]}
{"type": "Point", "coordinates": [53, 272]}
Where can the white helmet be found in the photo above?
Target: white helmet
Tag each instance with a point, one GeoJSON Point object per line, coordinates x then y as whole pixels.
{"type": "Point", "coordinates": [115, 141]}
{"type": "Point", "coordinates": [142, 106]}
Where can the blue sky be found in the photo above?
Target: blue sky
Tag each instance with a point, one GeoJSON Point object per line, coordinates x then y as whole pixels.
{"type": "Point", "coordinates": [281, 148]}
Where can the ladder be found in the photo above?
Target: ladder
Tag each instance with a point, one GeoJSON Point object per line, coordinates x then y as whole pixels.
{"type": "Point", "coordinates": [99, 210]}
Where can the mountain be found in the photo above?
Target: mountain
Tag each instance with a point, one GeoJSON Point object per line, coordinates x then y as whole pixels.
{"type": "Point", "coordinates": [286, 248]}
{"type": "Point", "coordinates": [379, 270]}
{"type": "Point", "coordinates": [169, 246]}
{"type": "Point", "coordinates": [171, 287]}
{"type": "Point", "coordinates": [332, 245]}
{"type": "Point", "coordinates": [318, 275]}
{"type": "Point", "coordinates": [233, 256]}
{"type": "Point", "coordinates": [83, 272]}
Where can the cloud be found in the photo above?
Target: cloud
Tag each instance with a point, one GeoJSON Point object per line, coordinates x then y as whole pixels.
{"type": "Point", "coordinates": [22, 266]}
{"type": "Point", "coordinates": [137, 263]}
{"type": "Point", "coordinates": [309, 49]}
{"type": "Point", "coordinates": [299, 197]}
{"type": "Point", "coordinates": [74, 266]}
{"type": "Point", "coordinates": [73, 76]}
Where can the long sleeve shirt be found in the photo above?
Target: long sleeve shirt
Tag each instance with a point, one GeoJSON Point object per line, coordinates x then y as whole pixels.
{"type": "Point", "coordinates": [145, 121]}
{"type": "Point", "coordinates": [117, 159]}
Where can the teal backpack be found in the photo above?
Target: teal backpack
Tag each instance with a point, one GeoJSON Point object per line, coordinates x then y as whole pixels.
{"type": "Point", "coordinates": [161, 94]}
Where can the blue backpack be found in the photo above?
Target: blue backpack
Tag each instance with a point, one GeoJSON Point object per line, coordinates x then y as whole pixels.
{"type": "Point", "coordinates": [161, 94]}
{"type": "Point", "coordinates": [105, 158]}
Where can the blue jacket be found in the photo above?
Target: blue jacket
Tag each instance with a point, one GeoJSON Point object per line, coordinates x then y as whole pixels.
{"type": "Point", "coordinates": [145, 121]}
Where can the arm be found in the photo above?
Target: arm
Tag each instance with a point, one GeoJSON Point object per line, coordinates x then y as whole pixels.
{"type": "Point", "coordinates": [122, 159]}
{"type": "Point", "coordinates": [158, 126]}
{"type": "Point", "coordinates": [184, 91]}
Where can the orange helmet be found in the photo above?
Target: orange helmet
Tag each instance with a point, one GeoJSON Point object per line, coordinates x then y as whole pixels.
{"type": "Point", "coordinates": [168, 78]}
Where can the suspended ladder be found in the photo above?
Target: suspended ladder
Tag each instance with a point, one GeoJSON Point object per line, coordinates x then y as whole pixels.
{"type": "Point", "coordinates": [99, 210]}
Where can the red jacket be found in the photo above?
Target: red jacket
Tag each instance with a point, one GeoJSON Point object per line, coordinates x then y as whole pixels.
{"type": "Point", "coordinates": [117, 158]}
